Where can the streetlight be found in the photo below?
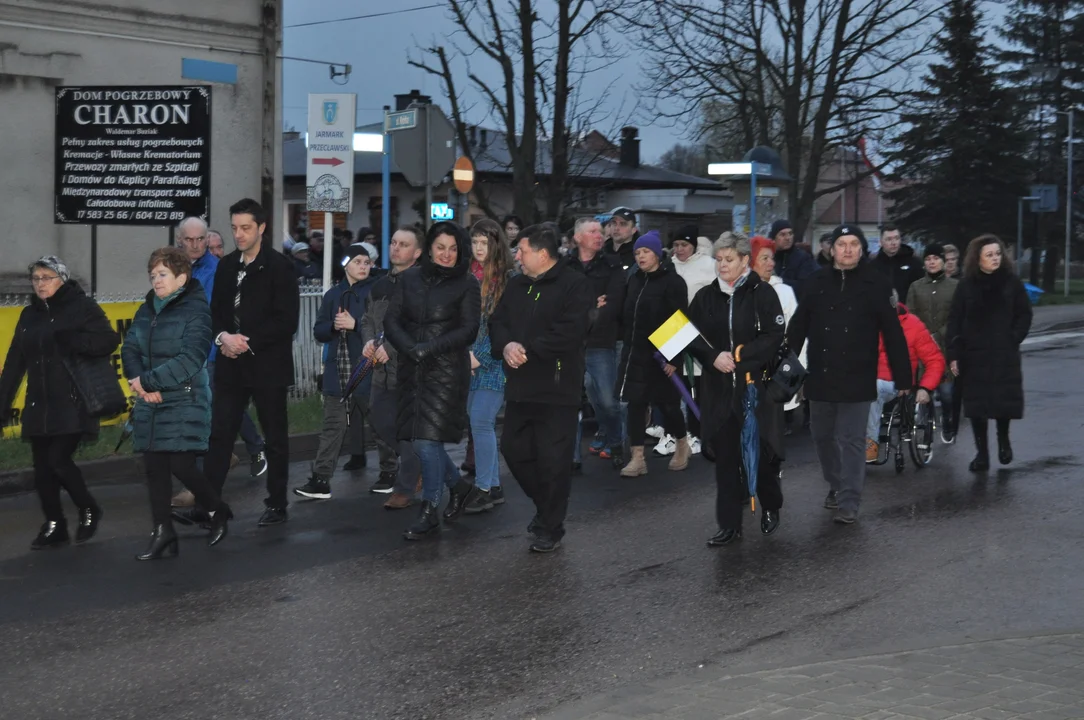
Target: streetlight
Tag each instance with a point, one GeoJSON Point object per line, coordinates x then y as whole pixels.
{"type": "Point", "coordinates": [1069, 142]}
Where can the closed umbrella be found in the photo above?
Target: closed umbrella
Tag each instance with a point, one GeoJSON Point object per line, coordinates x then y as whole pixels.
{"type": "Point", "coordinates": [750, 442]}
{"type": "Point", "coordinates": [361, 370]}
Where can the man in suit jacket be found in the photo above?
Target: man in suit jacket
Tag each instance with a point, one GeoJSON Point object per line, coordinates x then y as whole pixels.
{"type": "Point", "coordinates": [254, 316]}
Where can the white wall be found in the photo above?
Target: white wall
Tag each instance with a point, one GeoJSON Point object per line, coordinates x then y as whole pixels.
{"type": "Point", "coordinates": [680, 201]}
{"type": "Point", "coordinates": [34, 61]}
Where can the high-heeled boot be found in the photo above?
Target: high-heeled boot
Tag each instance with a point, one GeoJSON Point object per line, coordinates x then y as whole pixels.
{"type": "Point", "coordinates": [1004, 449]}
{"type": "Point", "coordinates": [220, 524]}
{"type": "Point", "coordinates": [428, 522]}
{"type": "Point", "coordinates": [163, 541]}
{"type": "Point", "coordinates": [981, 463]}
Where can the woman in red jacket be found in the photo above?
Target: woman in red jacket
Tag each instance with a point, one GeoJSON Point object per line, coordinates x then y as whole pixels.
{"type": "Point", "coordinates": [923, 349]}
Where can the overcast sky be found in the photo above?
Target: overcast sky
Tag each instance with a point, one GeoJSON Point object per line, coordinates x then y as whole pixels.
{"type": "Point", "coordinates": [378, 49]}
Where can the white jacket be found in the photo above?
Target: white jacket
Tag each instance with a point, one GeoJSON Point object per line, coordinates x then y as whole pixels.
{"type": "Point", "coordinates": [790, 303]}
{"type": "Point", "coordinates": [697, 272]}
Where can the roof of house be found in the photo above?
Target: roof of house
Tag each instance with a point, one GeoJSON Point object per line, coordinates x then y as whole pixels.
{"type": "Point", "coordinates": [493, 158]}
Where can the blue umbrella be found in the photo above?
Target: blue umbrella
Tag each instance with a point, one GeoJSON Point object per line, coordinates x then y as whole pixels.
{"type": "Point", "coordinates": [750, 442]}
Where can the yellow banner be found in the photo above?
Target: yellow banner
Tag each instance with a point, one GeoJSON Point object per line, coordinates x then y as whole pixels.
{"type": "Point", "coordinates": [120, 314]}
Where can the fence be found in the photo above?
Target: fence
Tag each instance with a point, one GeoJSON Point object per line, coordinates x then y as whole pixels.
{"type": "Point", "coordinates": [308, 354]}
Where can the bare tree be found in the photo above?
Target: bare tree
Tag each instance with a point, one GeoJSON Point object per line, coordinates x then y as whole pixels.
{"type": "Point", "coordinates": [536, 62]}
{"type": "Point", "coordinates": [798, 75]}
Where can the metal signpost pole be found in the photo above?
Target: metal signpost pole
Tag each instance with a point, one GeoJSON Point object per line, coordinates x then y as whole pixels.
{"type": "Point", "coordinates": [385, 200]}
{"type": "Point", "coordinates": [753, 199]}
{"type": "Point", "coordinates": [1068, 198]}
{"type": "Point", "coordinates": [428, 214]}
{"type": "Point", "coordinates": [329, 247]}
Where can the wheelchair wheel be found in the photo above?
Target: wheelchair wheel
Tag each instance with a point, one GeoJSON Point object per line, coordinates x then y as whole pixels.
{"type": "Point", "coordinates": [923, 432]}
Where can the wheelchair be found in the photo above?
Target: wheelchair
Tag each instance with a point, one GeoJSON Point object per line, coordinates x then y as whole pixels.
{"type": "Point", "coordinates": [905, 422]}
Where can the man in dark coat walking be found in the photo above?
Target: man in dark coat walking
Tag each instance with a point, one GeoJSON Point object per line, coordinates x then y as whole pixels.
{"type": "Point", "coordinates": [897, 261]}
{"type": "Point", "coordinates": [539, 328]}
{"type": "Point", "coordinates": [844, 312]}
{"type": "Point", "coordinates": [254, 316]}
{"type": "Point", "coordinates": [793, 264]}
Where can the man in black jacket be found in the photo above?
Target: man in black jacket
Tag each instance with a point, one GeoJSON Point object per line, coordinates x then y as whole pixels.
{"type": "Point", "coordinates": [623, 235]}
{"type": "Point", "coordinates": [793, 264]}
{"type": "Point", "coordinates": [539, 328]}
{"type": "Point", "coordinates": [254, 316]}
{"type": "Point", "coordinates": [844, 312]}
{"type": "Point", "coordinates": [897, 261]}
{"type": "Point", "coordinates": [606, 278]}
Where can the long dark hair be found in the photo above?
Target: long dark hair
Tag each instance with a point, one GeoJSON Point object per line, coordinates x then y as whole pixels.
{"type": "Point", "coordinates": [498, 262]}
{"type": "Point", "coordinates": [974, 251]}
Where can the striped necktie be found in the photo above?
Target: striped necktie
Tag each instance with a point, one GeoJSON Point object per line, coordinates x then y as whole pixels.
{"type": "Point", "coordinates": [237, 298]}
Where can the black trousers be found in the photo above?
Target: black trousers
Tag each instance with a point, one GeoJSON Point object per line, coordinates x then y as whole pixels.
{"type": "Point", "coordinates": [54, 468]}
{"type": "Point", "coordinates": [732, 491]}
{"type": "Point", "coordinates": [537, 444]}
{"type": "Point", "coordinates": [161, 468]}
{"type": "Point", "coordinates": [228, 407]}
{"type": "Point", "coordinates": [672, 421]}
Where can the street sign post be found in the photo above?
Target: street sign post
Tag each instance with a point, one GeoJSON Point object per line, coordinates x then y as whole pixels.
{"type": "Point", "coordinates": [405, 120]}
{"type": "Point", "coordinates": [330, 171]}
{"type": "Point", "coordinates": [424, 153]}
{"type": "Point", "coordinates": [1046, 198]}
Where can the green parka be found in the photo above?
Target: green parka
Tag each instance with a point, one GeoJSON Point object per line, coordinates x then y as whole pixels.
{"type": "Point", "coordinates": [167, 351]}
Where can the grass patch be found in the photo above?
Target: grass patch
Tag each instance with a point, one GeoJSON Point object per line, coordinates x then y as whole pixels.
{"type": "Point", "coordinates": [1076, 294]}
{"type": "Point", "coordinates": [306, 416]}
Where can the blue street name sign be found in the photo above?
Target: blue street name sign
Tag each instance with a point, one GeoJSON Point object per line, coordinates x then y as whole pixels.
{"type": "Point", "coordinates": [405, 120]}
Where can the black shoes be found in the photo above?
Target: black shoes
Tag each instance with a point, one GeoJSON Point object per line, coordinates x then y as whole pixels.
{"type": "Point", "coordinates": [496, 494]}
{"type": "Point", "coordinates": [830, 502]}
{"type": "Point", "coordinates": [544, 545]}
{"type": "Point", "coordinates": [258, 464]}
{"type": "Point", "coordinates": [272, 516]}
{"type": "Point", "coordinates": [220, 525]}
{"type": "Point", "coordinates": [356, 462]}
{"type": "Point", "coordinates": [384, 484]}
{"type": "Point", "coordinates": [845, 517]}
{"type": "Point", "coordinates": [483, 501]}
{"type": "Point", "coordinates": [769, 521]}
{"type": "Point", "coordinates": [163, 542]}
{"type": "Point", "coordinates": [535, 525]}
{"type": "Point", "coordinates": [428, 522]}
{"type": "Point", "coordinates": [191, 516]}
{"type": "Point", "coordinates": [724, 537]}
{"type": "Point", "coordinates": [468, 469]}
{"type": "Point", "coordinates": [317, 488]}
{"type": "Point", "coordinates": [981, 463]}
{"type": "Point", "coordinates": [577, 468]}
{"type": "Point", "coordinates": [88, 524]}
{"type": "Point", "coordinates": [1004, 449]}
{"type": "Point", "coordinates": [51, 535]}
{"type": "Point", "coordinates": [462, 495]}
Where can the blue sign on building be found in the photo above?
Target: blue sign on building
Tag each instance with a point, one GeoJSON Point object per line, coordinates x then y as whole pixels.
{"type": "Point", "coordinates": [441, 211]}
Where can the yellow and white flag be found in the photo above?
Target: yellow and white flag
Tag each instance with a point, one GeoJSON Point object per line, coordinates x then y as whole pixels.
{"type": "Point", "coordinates": [674, 335]}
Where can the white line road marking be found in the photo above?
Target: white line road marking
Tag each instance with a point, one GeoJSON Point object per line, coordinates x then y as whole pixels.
{"type": "Point", "coordinates": [1050, 338]}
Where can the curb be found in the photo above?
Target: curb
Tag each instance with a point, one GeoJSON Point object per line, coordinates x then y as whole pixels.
{"type": "Point", "coordinates": [129, 468]}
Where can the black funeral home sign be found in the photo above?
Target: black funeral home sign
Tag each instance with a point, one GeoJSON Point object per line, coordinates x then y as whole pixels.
{"type": "Point", "coordinates": [132, 155]}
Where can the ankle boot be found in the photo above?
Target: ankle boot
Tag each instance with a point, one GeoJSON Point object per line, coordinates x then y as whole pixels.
{"type": "Point", "coordinates": [981, 463]}
{"type": "Point", "coordinates": [682, 453]}
{"type": "Point", "coordinates": [163, 542]}
{"type": "Point", "coordinates": [1004, 449]}
{"type": "Point", "coordinates": [461, 496]}
{"type": "Point", "coordinates": [51, 535]}
{"type": "Point", "coordinates": [428, 522]}
{"type": "Point", "coordinates": [636, 466]}
{"type": "Point", "coordinates": [220, 525]}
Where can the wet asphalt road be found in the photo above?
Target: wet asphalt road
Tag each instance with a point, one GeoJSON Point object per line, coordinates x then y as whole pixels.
{"type": "Point", "coordinates": [334, 616]}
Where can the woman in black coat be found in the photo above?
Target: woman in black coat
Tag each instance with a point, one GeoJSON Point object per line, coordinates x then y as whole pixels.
{"type": "Point", "coordinates": [655, 292]}
{"type": "Point", "coordinates": [60, 323]}
{"type": "Point", "coordinates": [990, 317]}
{"type": "Point", "coordinates": [432, 321]}
{"type": "Point", "coordinates": [741, 328]}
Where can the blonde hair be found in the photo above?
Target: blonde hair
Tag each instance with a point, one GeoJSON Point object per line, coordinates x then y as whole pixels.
{"type": "Point", "coordinates": [733, 241]}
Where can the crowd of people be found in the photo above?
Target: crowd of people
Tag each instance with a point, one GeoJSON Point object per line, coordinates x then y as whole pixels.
{"type": "Point", "coordinates": [466, 321]}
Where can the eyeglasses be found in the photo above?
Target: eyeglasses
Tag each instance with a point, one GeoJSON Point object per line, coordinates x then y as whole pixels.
{"type": "Point", "coordinates": [42, 279]}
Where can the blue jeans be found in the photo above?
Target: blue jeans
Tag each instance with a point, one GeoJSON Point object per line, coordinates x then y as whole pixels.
{"type": "Point", "coordinates": [482, 407]}
{"type": "Point", "coordinates": [249, 434]}
{"type": "Point", "coordinates": [886, 390]}
{"type": "Point", "coordinates": [438, 469]}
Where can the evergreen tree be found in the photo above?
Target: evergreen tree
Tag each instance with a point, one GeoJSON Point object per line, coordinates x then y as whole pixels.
{"type": "Point", "coordinates": [961, 156]}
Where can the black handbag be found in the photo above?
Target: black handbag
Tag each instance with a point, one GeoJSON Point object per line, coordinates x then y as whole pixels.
{"type": "Point", "coordinates": [785, 375]}
{"type": "Point", "coordinates": [96, 381]}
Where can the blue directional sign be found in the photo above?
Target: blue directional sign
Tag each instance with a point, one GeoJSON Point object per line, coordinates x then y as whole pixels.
{"type": "Point", "coordinates": [441, 211]}
{"type": "Point", "coordinates": [405, 120]}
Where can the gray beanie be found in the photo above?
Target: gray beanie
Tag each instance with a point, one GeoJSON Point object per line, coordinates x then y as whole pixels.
{"type": "Point", "coordinates": [52, 262]}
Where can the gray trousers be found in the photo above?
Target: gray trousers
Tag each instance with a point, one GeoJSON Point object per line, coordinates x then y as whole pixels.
{"type": "Point", "coordinates": [839, 435]}
{"type": "Point", "coordinates": [383, 410]}
{"type": "Point", "coordinates": [339, 419]}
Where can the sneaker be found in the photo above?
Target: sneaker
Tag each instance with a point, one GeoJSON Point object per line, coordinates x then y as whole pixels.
{"type": "Point", "coordinates": [183, 499]}
{"type": "Point", "coordinates": [656, 431]}
{"type": "Point", "coordinates": [496, 494]}
{"type": "Point", "coordinates": [481, 502]}
{"type": "Point", "coordinates": [259, 464]}
{"type": "Point", "coordinates": [384, 484]}
{"type": "Point", "coordinates": [605, 453]}
{"type": "Point", "coordinates": [831, 502]}
{"type": "Point", "coordinates": [544, 545]}
{"type": "Point", "coordinates": [845, 517]}
{"type": "Point", "coordinates": [873, 451]}
{"type": "Point", "coordinates": [948, 437]}
{"type": "Point", "coordinates": [666, 446]}
{"type": "Point", "coordinates": [315, 489]}
{"type": "Point", "coordinates": [597, 447]}
{"type": "Point", "coordinates": [694, 445]}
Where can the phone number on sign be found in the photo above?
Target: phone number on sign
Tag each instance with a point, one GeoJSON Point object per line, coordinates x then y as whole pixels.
{"type": "Point", "coordinates": [126, 215]}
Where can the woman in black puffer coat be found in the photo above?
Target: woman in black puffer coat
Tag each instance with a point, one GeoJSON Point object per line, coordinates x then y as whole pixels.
{"type": "Point", "coordinates": [60, 323]}
{"type": "Point", "coordinates": [655, 292]}
{"type": "Point", "coordinates": [989, 318]}
{"type": "Point", "coordinates": [432, 321]}
{"type": "Point", "coordinates": [164, 358]}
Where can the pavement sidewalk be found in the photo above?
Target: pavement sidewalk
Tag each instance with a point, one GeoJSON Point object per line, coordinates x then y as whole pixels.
{"type": "Point", "coordinates": [1032, 678]}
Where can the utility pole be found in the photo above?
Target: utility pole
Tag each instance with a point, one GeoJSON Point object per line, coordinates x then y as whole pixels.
{"type": "Point", "coordinates": [271, 124]}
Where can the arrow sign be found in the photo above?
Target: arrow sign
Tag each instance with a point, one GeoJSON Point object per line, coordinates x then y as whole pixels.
{"type": "Point", "coordinates": [333, 162]}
